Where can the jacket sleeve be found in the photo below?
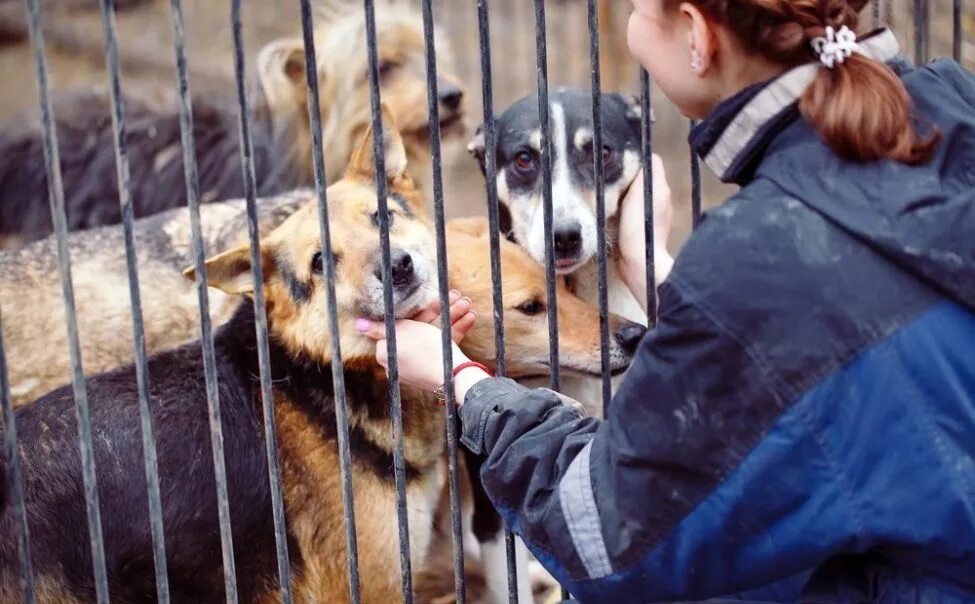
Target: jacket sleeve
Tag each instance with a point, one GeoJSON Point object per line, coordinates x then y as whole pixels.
{"type": "Point", "coordinates": [639, 506]}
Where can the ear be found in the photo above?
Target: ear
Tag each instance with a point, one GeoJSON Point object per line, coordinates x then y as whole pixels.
{"type": "Point", "coordinates": [281, 73]}
{"type": "Point", "coordinates": [230, 271]}
{"type": "Point", "coordinates": [363, 163]}
{"type": "Point", "coordinates": [634, 108]}
{"type": "Point", "coordinates": [475, 226]}
{"type": "Point", "coordinates": [476, 146]}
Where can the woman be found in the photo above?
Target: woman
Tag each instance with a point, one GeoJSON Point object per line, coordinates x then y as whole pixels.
{"type": "Point", "coordinates": [801, 423]}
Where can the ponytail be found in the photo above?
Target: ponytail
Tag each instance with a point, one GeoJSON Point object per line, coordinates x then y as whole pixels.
{"type": "Point", "coordinates": [859, 107]}
{"type": "Point", "coordinates": [863, 112]}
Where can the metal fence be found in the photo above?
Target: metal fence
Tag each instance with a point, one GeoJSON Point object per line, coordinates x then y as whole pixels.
{"type": "Point", "coordinates": [480, 9]}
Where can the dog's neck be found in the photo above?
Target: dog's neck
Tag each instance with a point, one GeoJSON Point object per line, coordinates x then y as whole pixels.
{"type": "Point", "coordinates": [307, 384]}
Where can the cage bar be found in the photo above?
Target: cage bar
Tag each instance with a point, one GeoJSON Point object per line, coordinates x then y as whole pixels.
{"type": "Point", "coordinates": [695, 185]}
{"type": "Point", "coordinates": [646, 129]}
{"type": "Point", "coordinates": [921, 42]}
{"type": "Point", "coordinates": [191, 174]}
{"type": "Point", "coordinates": [399, 464]}
{"type": "Point", "coordinates": [52, 166]}
{"type": "Point", "coordinates": [260, 310]}
{"type": "Point", "coordinates": [433, 111]}
{"type": "Point", "coordinates": [338, 371]}
{"type": "Point", "coordinates": [956, 29]}
{"type": "Point", "coordinates": [600, 178]}
{"type": "Point", "coordinates": [138, 331]}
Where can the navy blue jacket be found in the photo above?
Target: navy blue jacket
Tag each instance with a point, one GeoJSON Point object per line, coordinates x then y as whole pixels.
{"type": "Point", "coordinates": [802, 418]}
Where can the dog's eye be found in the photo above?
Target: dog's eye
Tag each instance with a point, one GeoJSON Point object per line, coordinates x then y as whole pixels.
{"type": "Point", "coordinates": [525, 161]}
{"type": "Point", "coordinates": [375, 218]}
{"type": "Point", "coordinates": [607, 154]}
{"type": "Point", "coordinates": [318, 262]}
{"type": "Point", "coordinates": [531, 307]}
{"type": "Point", "coordinates": [386, 67]}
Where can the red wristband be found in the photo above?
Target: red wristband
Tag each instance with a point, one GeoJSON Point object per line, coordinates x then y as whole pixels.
{"type": "Point", "coordinates": [469, 364]}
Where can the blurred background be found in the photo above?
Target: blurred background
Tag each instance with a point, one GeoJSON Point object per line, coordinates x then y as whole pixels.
{"type": "Point", "coordinates": [76, 60]}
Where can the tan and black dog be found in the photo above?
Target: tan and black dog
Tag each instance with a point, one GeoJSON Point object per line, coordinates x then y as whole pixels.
{"type": "Point", "coordinates": [280, 127]}
{"type": "Point", "coordinates": [300, 358]}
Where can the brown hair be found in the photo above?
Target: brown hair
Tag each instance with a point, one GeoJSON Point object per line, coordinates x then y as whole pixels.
{"type": "Point", "coordinates": [860, 107]}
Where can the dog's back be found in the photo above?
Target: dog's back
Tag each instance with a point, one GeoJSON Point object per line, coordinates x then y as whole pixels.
{"type": "Point", "coordinates": [87, 160]}
{"type": "Point", "coordinates": [30, 288]}
{"type": "Point", "coordinates": [55, 492]}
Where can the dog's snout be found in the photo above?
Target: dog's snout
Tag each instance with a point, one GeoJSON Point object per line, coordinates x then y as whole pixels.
{"type": "Point", "coordinates": [628, 336]}
{"type": "Point", "coordinates": [568, 240]}
{"type": "Point", "coordinates": [401, 263]}
{"type": "Point", "coordinates": [451, 96]}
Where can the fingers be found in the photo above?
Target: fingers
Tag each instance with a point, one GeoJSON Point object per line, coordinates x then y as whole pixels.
{"type": "Point", "coordinates": [382, 354]}
{"type": "Point", "coordinates": [460, 327]}
{"type": "Point", "coordinates": [431, 314]}
{"type": "Point", "coordinates": [375, 330]}
{"type": "Point", "coordinates": [460, 309]}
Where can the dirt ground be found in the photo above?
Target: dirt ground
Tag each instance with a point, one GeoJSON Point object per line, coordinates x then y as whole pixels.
{"type": "Point", "coordinates": [75, 56]}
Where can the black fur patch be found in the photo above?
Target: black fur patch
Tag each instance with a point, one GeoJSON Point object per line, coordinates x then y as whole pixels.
{"type": "Point", "coordinates": [407, 210]}
{"type": "Point", "coordinates": [300, 290]}
{"type": "Point", "coordinates": [55, 493]}
{"type": "Point", "coordinates": [84, 131]}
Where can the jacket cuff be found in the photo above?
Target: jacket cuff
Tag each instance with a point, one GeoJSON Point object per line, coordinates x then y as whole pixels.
{"type": "Point", "coordinates": [483, 398]}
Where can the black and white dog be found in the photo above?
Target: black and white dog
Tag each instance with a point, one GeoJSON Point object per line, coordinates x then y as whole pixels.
{"type": "Point", "coordinates": [519, 182]}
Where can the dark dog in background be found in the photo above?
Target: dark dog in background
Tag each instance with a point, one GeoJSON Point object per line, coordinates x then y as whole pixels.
{"type": "Point", "coordinates": [279, 122]}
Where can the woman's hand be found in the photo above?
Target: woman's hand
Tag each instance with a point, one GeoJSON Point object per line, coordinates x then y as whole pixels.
{"type": "Point", "coordinates": [632, 241]}
{"type": "Point", "coordinates": [418, 342]}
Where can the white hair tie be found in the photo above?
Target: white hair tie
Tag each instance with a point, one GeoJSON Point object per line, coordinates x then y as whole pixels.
{"type": "Point", "coordinates": [835, 46]}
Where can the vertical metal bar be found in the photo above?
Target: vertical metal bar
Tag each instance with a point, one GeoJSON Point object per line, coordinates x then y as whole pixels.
{"type": "Point", "coordinates": [541, 56]}
{"type": "Point", "coordinates": [920, 32]}
{"type": "Point", "coordinates": [338, 371]}
{"type": "Point", "coordinates": [138, 329]}
{"type": "Point", "coordinates": [399, 464]}
{"type": "Point", "coordinates": [433, 113]}
{"type": "Point", "coordinates": [646, 124]}
{"type": "Point", "coordinates": [491, 185]}
{"type": "Point", "coordinates": [695, 186]}
{"type": "Point", "coordinates": [260, 309]}
{"type": "Point", "coordinates": [541, 62]}
{"type": "Point", "coordinates": [206, 332]}
{"type": "Point", "coordinates": [52, 165]}
{"type": "Point", "coordinates": [16, 479]}
{"type": "Point", "coordinates": [875, 11]}
{"type": "Point", "coordinates": [597, 162]}
{"type": "Point", "coordinates": [956, 30]}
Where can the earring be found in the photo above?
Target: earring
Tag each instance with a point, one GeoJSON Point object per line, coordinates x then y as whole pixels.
{"type": "Point", "coordinates": [696, 61]}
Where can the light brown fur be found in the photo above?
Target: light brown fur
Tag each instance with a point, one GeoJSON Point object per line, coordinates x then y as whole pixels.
{"type": "Point", "coordinates": [344, 92]}
{"type": "Point", "coordinates": [309, 462]}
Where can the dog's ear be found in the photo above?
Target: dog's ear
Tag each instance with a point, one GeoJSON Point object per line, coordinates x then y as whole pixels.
{"type": "Point", "coordinates": [363, 162]}
{"type": "Point", "coordinates": [476, 146]}
{"type": "Point", "coordinates": [230, 271]}
{"type": "Point", "coordinates": [475, 226]}
{"type": "Point", "coordinates": [281, 73]}
{"type": "Point", "coordinates": [634, 108]}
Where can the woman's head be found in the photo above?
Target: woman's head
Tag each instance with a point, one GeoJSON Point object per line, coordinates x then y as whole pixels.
{"type": "Point", "coordinates": [700, 52]}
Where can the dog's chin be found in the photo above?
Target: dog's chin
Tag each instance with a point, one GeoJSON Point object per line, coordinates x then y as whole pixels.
{"type": "Point", "coordinates": [569, 266]}
{"type": "Point", "coordinates": [406, 303]}
{"type": "Point", "coordinates": [452, 126]}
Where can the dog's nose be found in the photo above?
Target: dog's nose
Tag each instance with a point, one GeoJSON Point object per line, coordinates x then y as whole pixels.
{"type": "Point", "coordinates": [628, 336]}
{"type": "Point", "coordinates": [451, 96]}
{"type": "Point", "coordinates": [402, 265]}
{"type": "Point", "coordinates": [568, 240]}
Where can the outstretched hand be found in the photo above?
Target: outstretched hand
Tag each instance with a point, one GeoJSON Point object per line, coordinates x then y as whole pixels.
{"type": "Point", "coordinates": [418, 341]}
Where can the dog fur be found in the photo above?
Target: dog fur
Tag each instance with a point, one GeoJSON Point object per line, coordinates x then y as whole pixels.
{"type": "Point", "coordinates": [300, 357]}
{"type": "Point", "coordinates": [29, 287]}
{"type": "Point", "coordinates": [280, 128]}
{"type": "Point", "coordinates": [519, 185]}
